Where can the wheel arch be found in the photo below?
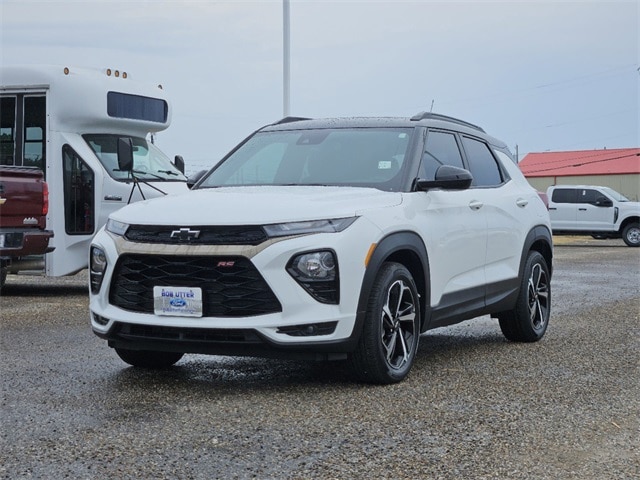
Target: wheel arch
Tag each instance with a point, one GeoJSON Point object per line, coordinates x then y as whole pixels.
{"type": "Point", "coordinates": [540, 240]}
{"type": "Point", "coordinates": [627, 221]}
{"type": "Point", "coordinates": [407, 249]}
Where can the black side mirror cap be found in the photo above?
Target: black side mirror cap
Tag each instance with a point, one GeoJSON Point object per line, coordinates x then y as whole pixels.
{"type": "Point", "coordinates": [447, 178]}
{"type": "Point", "coordinates": [603, 202]}
{"type": "Point", "coordinates": [125, 154]}
{"type": "Point", "coordinates": [178, 162]}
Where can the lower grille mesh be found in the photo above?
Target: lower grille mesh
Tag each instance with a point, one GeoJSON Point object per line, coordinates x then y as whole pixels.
{"type": "Point", "coordinates": [231, 286]}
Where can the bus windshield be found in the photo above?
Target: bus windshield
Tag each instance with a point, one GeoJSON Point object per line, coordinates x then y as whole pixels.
{"type": "Point", "coordinates": [149, 163]}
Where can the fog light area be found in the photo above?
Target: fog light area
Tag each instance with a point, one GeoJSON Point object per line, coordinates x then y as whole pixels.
{"type": "Point", "coordinates": [309, 330]}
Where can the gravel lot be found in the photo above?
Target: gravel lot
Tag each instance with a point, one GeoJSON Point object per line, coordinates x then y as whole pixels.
{"type": "Point", "coordinates": [474, 406]}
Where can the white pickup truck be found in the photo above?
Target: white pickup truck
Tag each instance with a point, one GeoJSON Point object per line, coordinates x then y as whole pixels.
{"type": "Point", "coordinates": [591, 210]}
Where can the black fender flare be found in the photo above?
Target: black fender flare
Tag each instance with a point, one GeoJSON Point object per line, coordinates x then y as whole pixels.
{"type": "Point", "coordinates": [540, 239]}
{"type": "Point", "coordinates": [404, 247]}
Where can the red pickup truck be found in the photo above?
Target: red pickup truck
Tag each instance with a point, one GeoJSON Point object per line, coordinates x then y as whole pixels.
{"type": "Point", "coordinates": [24, 203]}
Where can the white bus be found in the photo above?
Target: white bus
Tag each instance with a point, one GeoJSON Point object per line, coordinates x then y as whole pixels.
{"type": "Point", "coordinates": [68, 122]}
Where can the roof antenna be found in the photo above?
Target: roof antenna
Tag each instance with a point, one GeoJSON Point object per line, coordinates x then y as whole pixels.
{"type": "Point", "coordinates": [432, 102]}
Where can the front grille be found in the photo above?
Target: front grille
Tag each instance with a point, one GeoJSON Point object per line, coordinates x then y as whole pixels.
{"type": "Point", "coordinates": [231, 286]}
{"type": "Point", "coordinates": [205, 235]}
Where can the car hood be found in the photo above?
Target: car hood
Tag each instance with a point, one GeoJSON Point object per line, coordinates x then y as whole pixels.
{"type": "Point", "coordinates": [256, 205]}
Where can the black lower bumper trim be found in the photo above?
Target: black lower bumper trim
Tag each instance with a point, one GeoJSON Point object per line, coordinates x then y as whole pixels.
{"type": "Point", "coordinates": [214, 341]}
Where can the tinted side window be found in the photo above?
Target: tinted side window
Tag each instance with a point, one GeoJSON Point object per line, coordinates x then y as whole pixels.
{"type": "Point", "coordinates": [588, 196]}
{"type": "Point", "coordinates": [441, 148]}
{"type": "Point", "coordinates": [564, 195]}
{"type": "Point", "coordinates": [78, 181]}
{"type": "Point", "coordinates": [482, 164]}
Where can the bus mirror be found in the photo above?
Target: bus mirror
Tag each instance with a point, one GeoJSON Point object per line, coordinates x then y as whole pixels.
{"type": "Point", "coordinates": [179, 163]}
{"type": "Point", "coordinates": [125, 154]}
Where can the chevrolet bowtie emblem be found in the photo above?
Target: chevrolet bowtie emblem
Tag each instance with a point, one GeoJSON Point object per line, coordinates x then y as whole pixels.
{"type": "Point", "coordinates": [185, 234]}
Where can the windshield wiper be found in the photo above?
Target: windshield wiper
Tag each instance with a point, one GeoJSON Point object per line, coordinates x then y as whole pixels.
{"type": "Point", "coordinates": [168, 172]}
{"type": "Point", "coordinates": [139, 172]}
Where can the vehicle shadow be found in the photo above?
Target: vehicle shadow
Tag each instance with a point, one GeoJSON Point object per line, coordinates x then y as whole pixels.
{"type": "Point", "coordinates": [233, 375]}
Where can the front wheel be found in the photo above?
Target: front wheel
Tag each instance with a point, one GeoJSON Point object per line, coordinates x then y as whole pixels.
{"type": "Point", "coordinates": [148, 358]}
{"type": "Point", "coordinates": [389, 338]}
{"type": "Point", "coordinates": [631, 235]}
{"type": "Point", "coordinates": [528, 321]}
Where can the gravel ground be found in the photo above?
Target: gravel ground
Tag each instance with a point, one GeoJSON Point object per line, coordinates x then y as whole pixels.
{"type": "Point", "coordinates": [474, 406]}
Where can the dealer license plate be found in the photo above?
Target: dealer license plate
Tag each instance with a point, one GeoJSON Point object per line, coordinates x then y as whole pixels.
{"type": "Point", "coordinates": [177, 301]}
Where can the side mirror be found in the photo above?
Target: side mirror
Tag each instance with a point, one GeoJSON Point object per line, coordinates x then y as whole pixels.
{"type": "Point", "coordinates": [603, 202]}
{"type": "Point", "coordinates": [448, 178]}
{"type": "Point", "coordinates": [178, 161]}
{"type": "Point", "coordinates": [193, 179]}
{"type": "Point", "coordinates": [125, 154]}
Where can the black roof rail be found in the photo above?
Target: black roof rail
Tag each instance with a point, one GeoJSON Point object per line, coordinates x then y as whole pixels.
{"type": "Point", "coordinates": [446, 118]}
{"type": "Point", "coordinates": [289, 120]}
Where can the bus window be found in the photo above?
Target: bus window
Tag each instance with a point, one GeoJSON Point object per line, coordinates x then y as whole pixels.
{"type": "Point", "coordinates": [35, 119]}
{"type": "Point", "coordinates": [7, 130]}
{"type": "Point", "coordinates": [79, 206]}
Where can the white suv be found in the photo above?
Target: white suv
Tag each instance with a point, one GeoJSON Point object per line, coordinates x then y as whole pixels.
{"type": "Point", "coordinates": [328, 239]}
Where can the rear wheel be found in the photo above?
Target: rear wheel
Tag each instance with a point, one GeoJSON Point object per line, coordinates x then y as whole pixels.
{"type": "Point", "coordinates": [3, 277]}
{"type": "Point", "coordinates": [148, 358]}
{"type": "Point", "coordinates": [631, 235]}
{"type": "Point", "coordinates": [391, 332]}
{"type": "Point", "coordinates": [528, 321]}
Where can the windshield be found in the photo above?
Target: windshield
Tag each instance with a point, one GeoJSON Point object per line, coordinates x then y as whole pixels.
{"type": "Point", "coordinates": [149, 163]}
{"type": "Point", "coordinates": [362, 157]}
{"type": "Point", "coordinates": [618, 197]}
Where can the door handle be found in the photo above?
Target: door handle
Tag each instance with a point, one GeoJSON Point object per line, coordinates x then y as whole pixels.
{"type": "Point", "coordinates": [582, 209]}
{"type": "Point", "coordinates": [115, 198]}
{"type": "Point", "coordinates": [521, 202]}
{"type": "Point", "coordinates": [475, 205]}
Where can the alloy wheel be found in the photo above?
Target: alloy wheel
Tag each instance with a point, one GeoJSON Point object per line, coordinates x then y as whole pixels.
{"type": "Point", "coordinates": [538, 294]}
{"type": "Point", "coordinates": [398, 324]}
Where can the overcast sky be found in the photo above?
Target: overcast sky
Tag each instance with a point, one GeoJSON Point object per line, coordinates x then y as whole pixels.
{"type": "Point", "coordinates": [543, 75]}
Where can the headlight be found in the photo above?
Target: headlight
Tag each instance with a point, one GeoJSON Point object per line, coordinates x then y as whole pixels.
{"type": "Point", "coordinates": [317, 273]}
{"type": "Point", "coordinates": [97, 267]}
{"type": "Point", "coordinates": [312, 226]}
{"type": "Point", "coordinates": [315, 266]}
{"type": "Point", "coordinates": [117, 228]}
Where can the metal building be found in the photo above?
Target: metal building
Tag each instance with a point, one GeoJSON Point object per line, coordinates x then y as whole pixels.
{"type": "Point", "coordinates": [615, 168]}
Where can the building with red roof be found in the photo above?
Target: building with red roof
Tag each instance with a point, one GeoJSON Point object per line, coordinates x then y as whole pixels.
{"type": "Point", "coordinates": [617, 168]}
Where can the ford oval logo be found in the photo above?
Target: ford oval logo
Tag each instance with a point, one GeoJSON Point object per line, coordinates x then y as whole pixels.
{"type": "Point", "coordinates": [178, 302]}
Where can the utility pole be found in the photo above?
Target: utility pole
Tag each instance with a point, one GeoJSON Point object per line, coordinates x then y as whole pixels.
{"type": "Point", "coordinates": [286, 71]}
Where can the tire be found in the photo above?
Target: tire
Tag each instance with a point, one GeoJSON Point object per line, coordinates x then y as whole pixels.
{"type": "Point", "coordinates": [148, 358]}
{"type": "Point", "coordinates": [391, 332]}
{"type": "Point", "coordinates": [631, 235]}
{"type": "Point", "coordinates": [3, 277]}
{"type": "Point", "coordinates": [529, 319]}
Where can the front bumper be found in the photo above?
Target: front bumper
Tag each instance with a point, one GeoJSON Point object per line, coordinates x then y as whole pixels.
{"type": "Point", "coordinates": [303, 328]}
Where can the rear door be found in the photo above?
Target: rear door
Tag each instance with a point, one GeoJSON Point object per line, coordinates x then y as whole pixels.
{"type": "Point", "coordinates": [563, 208]}
{"type": "Point", "coordinates": [504, 206]}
